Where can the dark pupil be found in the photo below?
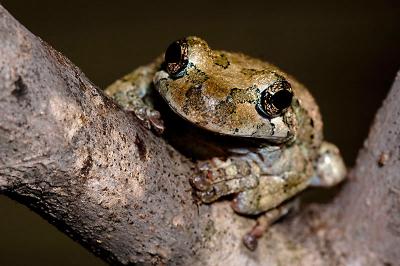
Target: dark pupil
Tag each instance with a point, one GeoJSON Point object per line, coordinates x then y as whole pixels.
{"type": "Point", "coordinates": [173, 53]}
{"type": "Point", "coordinates": [282, 99]}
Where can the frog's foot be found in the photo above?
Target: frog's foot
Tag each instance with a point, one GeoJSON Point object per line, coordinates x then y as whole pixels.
{"type": "Point", "coordinates": [219, 178]}
{"type": "Point", "coordinates": [330, 168]}
{"type": "Point", "coordinates": [250, 240]}
{"type": "Point", "coordinates": [151, 119]}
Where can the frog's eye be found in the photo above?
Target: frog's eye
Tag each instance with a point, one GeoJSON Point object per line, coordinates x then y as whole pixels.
{"type": "Point", "coordinates": [276, 98]}
{"type": "Point", "coordinates": [176, 57]}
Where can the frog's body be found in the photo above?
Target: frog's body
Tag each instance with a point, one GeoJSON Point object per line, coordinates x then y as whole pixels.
{"type": "Point", "coordinates": [237, 96]}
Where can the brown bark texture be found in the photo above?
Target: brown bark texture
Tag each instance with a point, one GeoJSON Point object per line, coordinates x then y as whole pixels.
{"type": "Point", "coordinates": [74, 157]}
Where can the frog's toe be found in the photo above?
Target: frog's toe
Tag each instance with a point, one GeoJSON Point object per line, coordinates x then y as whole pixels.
{"type": "Point", "coordinates": [200, 182]}
{"type": "Point", "coordinates": [208, 196]}
{"type": "Point", "coordinates": [155, 120]}
{"type": "Point", "coordinates": [250, 241]}
{"type": "Point", "coordinates": [151, 119]}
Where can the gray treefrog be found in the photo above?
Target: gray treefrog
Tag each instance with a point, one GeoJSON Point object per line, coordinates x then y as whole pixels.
{"type": "Point", "coordinates": [248, 101]}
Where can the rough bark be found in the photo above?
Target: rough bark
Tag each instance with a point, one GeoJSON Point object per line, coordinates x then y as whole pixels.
{"type": "Point", "coordinates": [69, 153]}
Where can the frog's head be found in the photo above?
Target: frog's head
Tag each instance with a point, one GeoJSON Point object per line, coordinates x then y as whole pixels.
{"type": "Point", "coordinates": [227, 93]}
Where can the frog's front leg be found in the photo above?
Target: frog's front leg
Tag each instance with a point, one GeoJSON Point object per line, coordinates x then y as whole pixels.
{"type": "Point", "coordinates": [281, 178]}
{"type": "Point", "coordinates": [239, 173]}
{"type": "Point", "coordinates": [329, 167]}
{"type": "Point", "coordinates": [218, 178]}
{"type": "Point", "coordinates": [133, 92]}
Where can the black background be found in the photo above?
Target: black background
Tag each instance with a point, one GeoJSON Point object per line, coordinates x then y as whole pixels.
{"type": "Point", "coordinates": [346, 53]}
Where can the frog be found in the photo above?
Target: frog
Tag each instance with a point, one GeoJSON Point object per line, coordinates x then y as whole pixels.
{"type": "Point", "coordinates": [273, 119]}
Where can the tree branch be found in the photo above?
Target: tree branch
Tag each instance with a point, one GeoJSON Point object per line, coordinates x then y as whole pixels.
{"type": "Point", "coordinates": [369, 204]}
{"type": "Point", "coordinates": [68, 152]}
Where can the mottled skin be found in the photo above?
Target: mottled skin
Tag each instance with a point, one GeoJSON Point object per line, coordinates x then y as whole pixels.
{"type": "Point", "coordinates": [221, 92]}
